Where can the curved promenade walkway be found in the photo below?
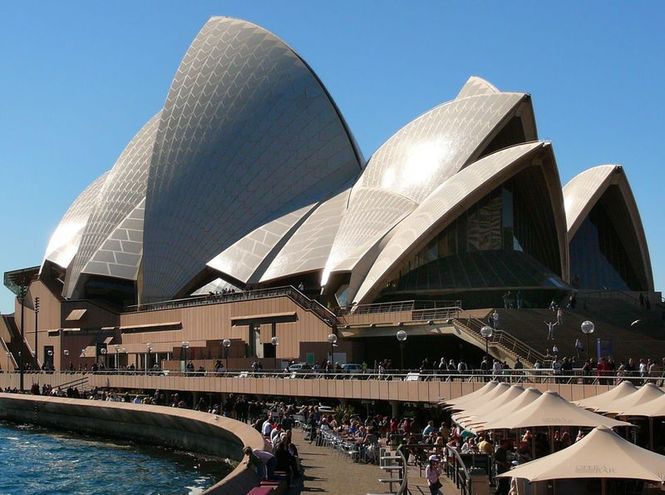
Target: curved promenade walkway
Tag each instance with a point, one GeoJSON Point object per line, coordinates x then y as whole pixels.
{"type": "Point", "coordinates": [328, 472]}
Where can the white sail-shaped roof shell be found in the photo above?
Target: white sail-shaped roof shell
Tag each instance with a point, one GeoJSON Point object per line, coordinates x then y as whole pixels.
{"type": "Point", "coordinates": [453, 197]}
{"type": "Point", "coordinates": [112, 242]}
{"type": "Point", "coordinates": [65, 240]}
{"type": "Point", "coordinates": [248, 135]}
{"type": "Point", "coordinates": [584, 191]}
{"type": "Point", "coordinates": [410, 165]}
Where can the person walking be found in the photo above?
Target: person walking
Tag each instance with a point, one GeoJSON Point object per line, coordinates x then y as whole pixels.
{"type": "Point", "coordinates": [432, 473]}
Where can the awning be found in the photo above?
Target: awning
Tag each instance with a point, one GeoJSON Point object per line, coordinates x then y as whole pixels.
{"type": "Point", "coordinates": [263, 318]}
{"type": "Point", "coordinates": [152, 327]}
{"type": "Point", "coordinates": [76, 314]}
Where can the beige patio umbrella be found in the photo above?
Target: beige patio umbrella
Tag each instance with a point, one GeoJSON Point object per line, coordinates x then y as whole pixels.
{"type": "Point", "coordinates": [651, 409]}
{"type": "Point", "coordinates": [601, 400]}
{"type": "Point", "coordinates": [468, 397]}
{"type": "Point", "coordinates": [602, 454]}
{"type": "Point", "coordinates": [550, 409]}
{"type": "Point", "coordinates": [642, 395]}
{"type": "Point", "coordinates": [521, 401]}
{"type": "Point", "coordinates": [480, 410]}
{"type": "Point", "coordinates": [498, 390]}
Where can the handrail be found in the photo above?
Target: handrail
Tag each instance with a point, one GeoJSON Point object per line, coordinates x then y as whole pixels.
{"type": "Point", "coordinates": [289, 291]}
{"type": "Point", "coordinates": [398, 306]}
{"type": "Point", "coordinates": [435, 313]}
{"type": "Point", "coordinates": [8, 353]}
{"type": "Point", "coordinates": [404, 486]}
{"type": "Point", "coordinates": [457, 471]}
{"type": "Point", "coordinates": [537, 375]}
{"type": "Point", "coordinates": [499, 336]}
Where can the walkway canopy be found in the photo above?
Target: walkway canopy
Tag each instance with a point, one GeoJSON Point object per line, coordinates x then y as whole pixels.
{"type": "Point", "coordinates": [601, 454]}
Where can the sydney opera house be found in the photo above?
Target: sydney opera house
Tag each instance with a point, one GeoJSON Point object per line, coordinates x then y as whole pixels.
{"type": "Point", "coordinates": [243, 211]}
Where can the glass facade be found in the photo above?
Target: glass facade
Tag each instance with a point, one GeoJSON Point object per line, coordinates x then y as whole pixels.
{"type": "Point", "coordinates": [598, 255]}
{"type": "Point", "coordinates": [514, 218]}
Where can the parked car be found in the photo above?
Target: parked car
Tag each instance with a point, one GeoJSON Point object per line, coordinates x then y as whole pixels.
{"type": "Point", "coordinates": [352, 368]}
{"type": "Point", "coordinates": [300, 368]}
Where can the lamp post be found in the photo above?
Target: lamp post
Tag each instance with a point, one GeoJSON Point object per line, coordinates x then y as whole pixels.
{"type": "Point", "coordinates": [587, 328]}
{"type": "Point", "coordinates": [332, 339]}
{"type": "Point", "coordinates": [487, 332]}
{"type": "Point", "coordinates": [117, 349]}
{"type": "Point", "coordinates": [103, 352]}
{"type": "Point", "coordinates": [227, 344]}
{"type": "Point", "coordinates": [36, 307]}
{"type": "Point", "coordinates": [22, 290]}
{"type": "Point", "coordinates": [148, 350]}
{"type": "Point", "coordinates": [401, 337]}
{"type": "Point", "coordinates": [185, 346]}
{"type": "Point", "coordinates": [275, 342]}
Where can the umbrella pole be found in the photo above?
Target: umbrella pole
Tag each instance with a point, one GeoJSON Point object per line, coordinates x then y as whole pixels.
{"type": "Point", "coordinates": [603, 486]}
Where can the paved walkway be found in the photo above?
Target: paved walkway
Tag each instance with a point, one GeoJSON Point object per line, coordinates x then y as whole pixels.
{"type": "Point", "coordinates": [418, 483]}
{"type": "Point", "coordinates": [328, 472]}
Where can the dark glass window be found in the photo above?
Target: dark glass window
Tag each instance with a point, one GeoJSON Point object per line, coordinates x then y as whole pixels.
{"type": "Point", "coordinates": [515, 217]}
{"type": "Point", "coordinates": [598, 257]}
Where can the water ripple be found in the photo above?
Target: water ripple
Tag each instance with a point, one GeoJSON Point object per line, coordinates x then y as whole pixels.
{"type": "Point", "coordinates": [38, 462]}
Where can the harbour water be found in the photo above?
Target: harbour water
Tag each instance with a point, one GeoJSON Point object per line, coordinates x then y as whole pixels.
{"type": "Point", "coordinates": [35, 461]}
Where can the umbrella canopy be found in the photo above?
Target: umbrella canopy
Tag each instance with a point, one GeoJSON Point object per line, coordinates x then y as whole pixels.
{"type": "Point", "coordinates": [651, 409]}
{"type": "Point", "coordinates": [642, 395]}
{"type": "Point", "coordinates": [597, 402]}
{"type": "Point", "coordinates": [601, 454]}
{"type": "Point", "coordinates": [550, 409]}
{"type": "Point", "coordinates": [479, 411]}
{"type": "Point", "coordinates": [521, 401]}
{"type": "Point", "coordinates": [473, 395]}
{"type": "Point", "coordinates": [498, 390]}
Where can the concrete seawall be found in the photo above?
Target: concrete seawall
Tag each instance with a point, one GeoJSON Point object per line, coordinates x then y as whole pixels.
{"type": "Point", "coordinates": [183, 429]}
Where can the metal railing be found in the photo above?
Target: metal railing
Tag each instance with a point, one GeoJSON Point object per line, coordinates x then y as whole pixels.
{"type": "Point", "coordinates": [504, 339]}
{"type": "Point", "coordinates": [404, 486]}
{"type": "Point", "coordinates": [249, 295]}
{"type": "Point", "coordinates": [457, 471]}
{"type": "Point", "coordinates": [521, 376]}
{"type": "Point", "coordinates": [436, 314]}
{"type": "Point", "coordinates": [398, 306]}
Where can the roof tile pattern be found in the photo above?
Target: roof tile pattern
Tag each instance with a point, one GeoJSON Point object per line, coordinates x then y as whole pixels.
{"type": "Point", "coordinates": [475, 86]}
{"type": "Point", "coordinates": [119, 197]}
{"type": "Point", "coordinates": [308, 249]}
{"type": "Point", "coordinates": [410, 165]}
{"type": "Point", "coordinates": [435, 212]}
{"type": "Point", "coordinates": [247, 135]}
{"type": "Point", "coordinates": [65, 240]}
{"type": "Point", "coordinates": [120, 254]}
{"type": "Point", "coordinates": [243, 258]}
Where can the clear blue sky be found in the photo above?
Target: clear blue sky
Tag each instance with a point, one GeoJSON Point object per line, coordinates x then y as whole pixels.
{"type": "Point", "coordinates": [78, 79]}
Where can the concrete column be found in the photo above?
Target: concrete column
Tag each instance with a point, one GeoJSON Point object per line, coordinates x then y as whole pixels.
{"type": "Point", "coordinates": [394, 408]}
